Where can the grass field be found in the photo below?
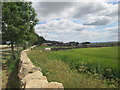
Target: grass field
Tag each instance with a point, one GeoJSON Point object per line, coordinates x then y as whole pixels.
{"type": "Point", "coordinates": [79, 68]}
{"type": "Point", "coordinates": [105, 58]}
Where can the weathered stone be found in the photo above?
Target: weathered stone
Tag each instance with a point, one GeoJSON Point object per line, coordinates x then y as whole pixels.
{"type": "Point", "coordinates": [31, 76]}
{"type": "Point", "coordinates": [37, 84]}
{"type": "Point", "coordinates": [55, 85]}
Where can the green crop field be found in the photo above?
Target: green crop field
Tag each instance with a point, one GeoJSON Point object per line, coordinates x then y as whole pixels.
{"type": "Point", "coordinates": [104, 58]}
{"type": "Point", "coordinates": [75, 68]}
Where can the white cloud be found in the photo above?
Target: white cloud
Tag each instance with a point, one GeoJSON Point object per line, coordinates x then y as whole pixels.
{"type": "Point", "coordinates": [61, 26]}
{"type": "Point", "coordinates": [73, 9]}
{"type": "Point", "coordinates": [66, 30]}
{"type": "Point", "coordinates": [98, 20]}
{"type": "Point", "coordinates": [89, 14]}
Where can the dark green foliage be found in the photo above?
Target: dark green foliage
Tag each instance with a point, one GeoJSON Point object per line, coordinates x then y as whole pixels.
{"type": "Point", "coordinates": [18, 21]}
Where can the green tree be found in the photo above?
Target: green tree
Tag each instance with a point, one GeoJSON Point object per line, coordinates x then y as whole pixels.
{"type": "Point", "coordinates": [18, 21]}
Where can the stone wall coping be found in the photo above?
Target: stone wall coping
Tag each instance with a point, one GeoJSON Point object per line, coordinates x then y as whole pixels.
{"type": "Point", "coordinates": [31, 76]}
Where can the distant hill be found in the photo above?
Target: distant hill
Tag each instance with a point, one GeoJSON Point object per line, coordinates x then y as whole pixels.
{"type": "Point", "coordinates": [107, 43]}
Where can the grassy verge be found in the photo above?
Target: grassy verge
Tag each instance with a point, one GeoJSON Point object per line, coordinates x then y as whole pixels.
{"type": "Point", "coordinates": [56, 69]}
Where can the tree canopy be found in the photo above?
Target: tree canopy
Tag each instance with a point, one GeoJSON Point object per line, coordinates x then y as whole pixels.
{"type": "Point", "coordinates": [18, 21]}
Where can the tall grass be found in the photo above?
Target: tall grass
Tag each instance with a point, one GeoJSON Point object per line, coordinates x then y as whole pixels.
{"type": "Point", "coordinates": [60, 66]}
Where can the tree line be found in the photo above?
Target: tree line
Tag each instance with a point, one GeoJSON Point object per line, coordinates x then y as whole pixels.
{"type": "Point", "coordinates": [18, 22]}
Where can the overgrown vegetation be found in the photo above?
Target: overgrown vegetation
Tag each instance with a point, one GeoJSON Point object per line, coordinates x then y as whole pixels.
{"type": "Point", "coordinates": [12, 67]}
{"type": "Point", "coordinates": [73, 68]}
{"type": "Point", "coordinates": [11, 62]}
{"type": "Point", "coordinates": [13, 80]}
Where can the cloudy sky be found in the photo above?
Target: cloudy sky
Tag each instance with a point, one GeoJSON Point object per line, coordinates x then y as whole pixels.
{"type": "Point", "coordinates": [77, 21]}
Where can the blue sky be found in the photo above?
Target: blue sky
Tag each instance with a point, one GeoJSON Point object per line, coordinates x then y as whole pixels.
{"type": "Point", "coordinates": [81, 21]}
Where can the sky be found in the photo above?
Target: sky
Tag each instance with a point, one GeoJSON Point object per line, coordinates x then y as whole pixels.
{"type": "Point", "coordinates": [77, 21]}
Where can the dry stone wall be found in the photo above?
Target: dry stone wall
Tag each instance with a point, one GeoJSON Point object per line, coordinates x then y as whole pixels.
{"type": "Point", "coordinates": [31, 76]}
